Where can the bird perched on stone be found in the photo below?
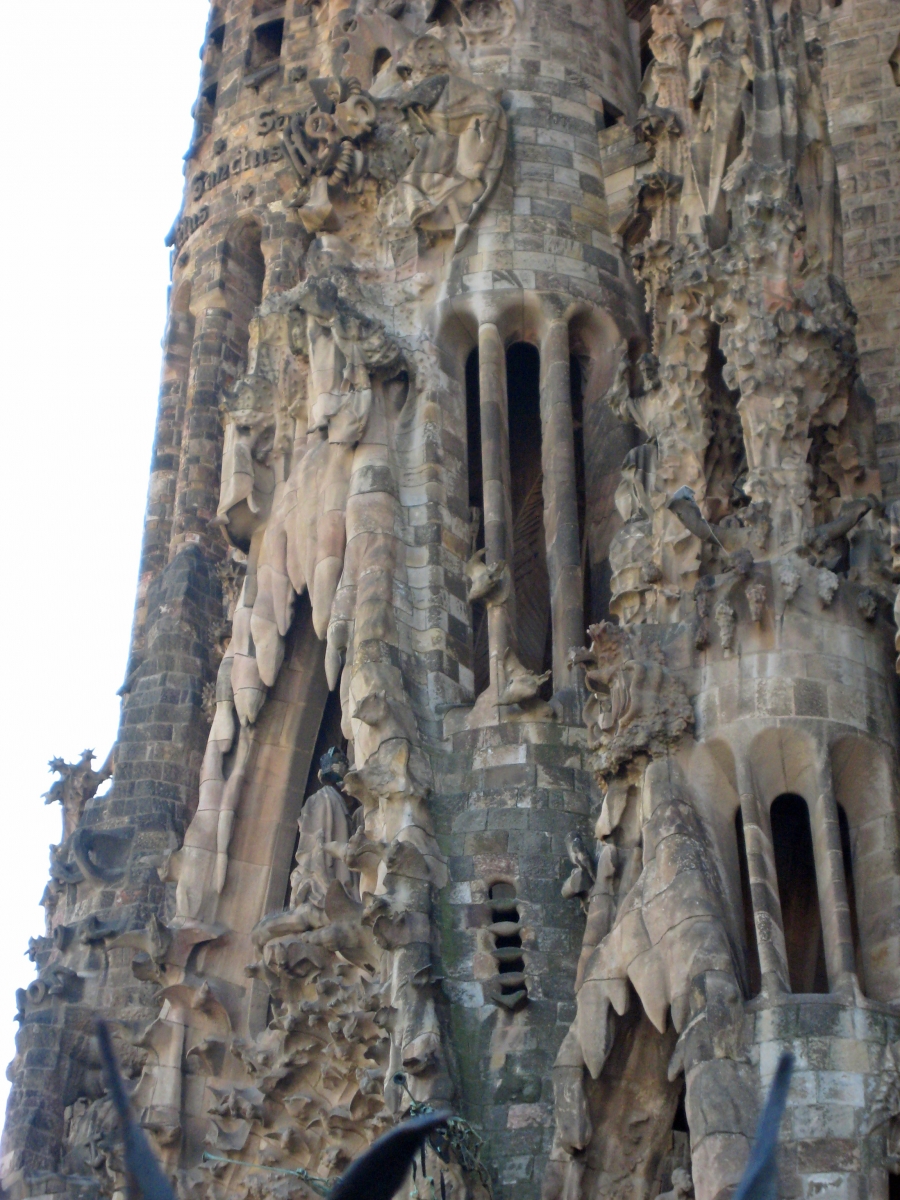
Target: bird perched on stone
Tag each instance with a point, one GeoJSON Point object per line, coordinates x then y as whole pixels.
{"type": "Point", "coordinates": [578, 854]}
{"type": "Point", "coordinates": [685, 507]}
{"type": "Point", "coordinates": [482, 578]}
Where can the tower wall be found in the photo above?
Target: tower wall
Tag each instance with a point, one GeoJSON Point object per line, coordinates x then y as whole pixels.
{"type": "Point", "coordinates": [492, 323]}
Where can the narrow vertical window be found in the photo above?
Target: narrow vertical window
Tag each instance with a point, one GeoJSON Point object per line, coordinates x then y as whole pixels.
{"type": "Point", "coordinates": [847, 854]}
{"type": "Point", "coordinates": [576, 388]}
{"type": "Point", "coordinates": [795, 867]}
{"type": "Point", "coordinates": [480, 663]}
{"type": "Point", "coordinates": [754, 981]}
{"type": "Point", "coordinates": [246, 272]}
{"type": "Point", "coordinates": [531, 580]}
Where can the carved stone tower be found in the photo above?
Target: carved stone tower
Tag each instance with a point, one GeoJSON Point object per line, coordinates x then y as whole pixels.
{"type": "Point", "coordinates": [493, 322]}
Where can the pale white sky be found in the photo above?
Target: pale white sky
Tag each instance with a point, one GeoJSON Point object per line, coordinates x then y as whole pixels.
{"type": "Point", "coordinates": [97, 97]}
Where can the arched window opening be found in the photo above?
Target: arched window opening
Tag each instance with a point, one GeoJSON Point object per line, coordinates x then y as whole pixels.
{"type": "Point", "coordinates": [246, 272]}
{"type": "Point", "coordinates": [847, 854]}
{"type": "Point", "coordinates": [380, 60]}
{"type": "Point", "coordinates": [795, 868]}
{"type": "Point", "coordinates": [531, 579]}
{"type": "Point", "coordinates": [329, 735]}
{"type": "Point", "coordinates": [754, 980]}
{"type": "Point", "coordinates": [601, 442]}
{"type": "Point", "coordinates": [480, 662]}
{"type": "Point", "coordinates": [208, 100]}
{"type": "Point", "coordinates": [611, 114]}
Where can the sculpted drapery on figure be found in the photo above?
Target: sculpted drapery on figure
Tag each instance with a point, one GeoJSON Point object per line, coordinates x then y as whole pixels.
{"type": "Point", "coordinates": [460, 158]}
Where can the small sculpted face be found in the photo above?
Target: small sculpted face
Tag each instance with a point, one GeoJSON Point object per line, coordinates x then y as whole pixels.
{"type": "Point", "coordinates": [424, 58]}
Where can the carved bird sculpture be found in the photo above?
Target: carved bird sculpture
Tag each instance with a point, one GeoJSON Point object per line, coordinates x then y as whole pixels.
{"type": "Point", "coordinates": [482, 578]}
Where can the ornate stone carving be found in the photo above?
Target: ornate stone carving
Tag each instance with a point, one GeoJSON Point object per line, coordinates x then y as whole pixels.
{"type": "Point", "coordinates": [736, 234]}
{"type": "Point", "coordinates": [462, 152]}
{"type": "Point", "coordinates": [349, 962]}
{"type": "Point", "coordinates": [323, 146]}
{"type": "Point", "coordinates": [635, 704]}
{"type": "Point", "coordinates": [77, 784]}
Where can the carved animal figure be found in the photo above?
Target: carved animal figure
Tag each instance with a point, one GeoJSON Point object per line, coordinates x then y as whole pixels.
{"type": "Point", "coordinates": [483, 580]}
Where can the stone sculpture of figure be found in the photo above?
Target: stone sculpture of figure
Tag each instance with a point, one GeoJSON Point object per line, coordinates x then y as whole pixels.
{"type": "Point", "coordinates": [817, 168]}
{"type": "Point", "coordinates": [342, 344]}
{"type": "Point", "coordinates": [324, 889]}
{"type": "Point", "coordinates": [682, 1186]}
{"type": "Point", "coordinates": [257, 429]}
{"type": "Point", "coordinates": [632, 554]}
{"type": "Point", "coordinates": [303, 548]}
{"type": "Point", "coordinates": [460, 157]}
{"type": "Point", "coordinates": [325, 820]}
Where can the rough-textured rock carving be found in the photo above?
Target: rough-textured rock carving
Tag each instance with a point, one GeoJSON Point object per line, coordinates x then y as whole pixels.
{"type": "Point", "coordinates": [635, 704]}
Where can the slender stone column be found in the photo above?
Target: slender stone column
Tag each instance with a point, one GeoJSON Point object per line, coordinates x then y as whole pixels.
{"type": "Point", "coordinates": [560, 502]}
{"type": "Point", "coordinates": [767, 919]}
{"type": "Point", "coordinates": [498, 526]}
{"type": "Point", "coordinates": [834, 904]}
{"type": "Point", "coordinates": [197, 490]}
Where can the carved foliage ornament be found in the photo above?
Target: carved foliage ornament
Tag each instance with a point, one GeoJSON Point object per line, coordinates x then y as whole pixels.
{"type": "Point", "coordinates": [750, 398]}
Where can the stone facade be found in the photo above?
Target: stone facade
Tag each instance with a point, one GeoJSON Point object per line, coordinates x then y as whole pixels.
{"type": "Point", "coordinates": [511, 721]}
